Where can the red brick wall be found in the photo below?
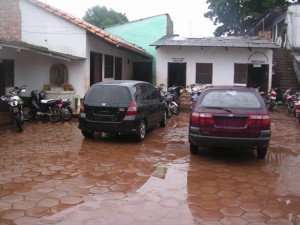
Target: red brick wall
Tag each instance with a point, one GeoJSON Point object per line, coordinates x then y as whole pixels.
{"type": "Point", "coordinates": [10, 20]}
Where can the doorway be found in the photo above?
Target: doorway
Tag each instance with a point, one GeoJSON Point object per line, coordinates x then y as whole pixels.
{"type": "Point", "coordinates": [142, 71]}
{"type": "Point", "coordinates": [95, 67]}
{"type": "Point", "coordinates": [176, 74]}
{"type": "Point", "coordinates": [258, 76]}
{"type": "Point", "coordinates": [6, 79]}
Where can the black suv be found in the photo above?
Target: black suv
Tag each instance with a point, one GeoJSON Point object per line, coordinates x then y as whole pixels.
{"type": "Point", "coordinates": [121, 106]}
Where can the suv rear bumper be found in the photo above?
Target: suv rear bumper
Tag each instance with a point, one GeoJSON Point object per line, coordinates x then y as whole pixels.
{"type": "Point", "coordinates": [210, 141]}
{"type": "Point", "coordinates": [126, 126]}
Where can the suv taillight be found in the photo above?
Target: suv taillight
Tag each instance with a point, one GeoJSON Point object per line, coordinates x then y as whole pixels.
{"type": "Point", "coordinates": [202, 118]}
{"type": "Point", "coordinates": [81, 106]}
{"type": "Point", "coordinates": [132, 109]}
{"type": "Point", "coordinates": [259, 120]}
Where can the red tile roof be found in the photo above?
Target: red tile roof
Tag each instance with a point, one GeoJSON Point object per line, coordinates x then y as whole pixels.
{"type": "Point", "coordinates": [91, 28]}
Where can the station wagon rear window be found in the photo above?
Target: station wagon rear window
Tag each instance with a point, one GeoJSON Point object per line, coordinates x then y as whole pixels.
{"type": "Point", "coordinates": [108, 93]}
{"type": "Point", "coordinates": [230, 99]}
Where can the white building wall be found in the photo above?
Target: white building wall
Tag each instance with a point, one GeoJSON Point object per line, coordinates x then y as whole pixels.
{"type": "Point", "coordinates": [223, 62]}
{"type": "Point", "coordinates": [33, 70]}
{"type": "Point", "coordinates": [293, 21]}
{"type": "Point", "coordinates": [42, 28]}
{"type": "Point", "coordinates": [94, 44]}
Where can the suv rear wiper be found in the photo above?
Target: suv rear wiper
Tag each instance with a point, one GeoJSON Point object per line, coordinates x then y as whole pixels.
{"type": "Point", "coordinates": [215, 107]}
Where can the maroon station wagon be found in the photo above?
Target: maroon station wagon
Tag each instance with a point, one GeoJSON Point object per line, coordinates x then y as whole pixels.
{"type": "Point", "coordinates": [231, 117]}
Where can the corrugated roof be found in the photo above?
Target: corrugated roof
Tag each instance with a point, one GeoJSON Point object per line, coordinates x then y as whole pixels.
{"type": "Point", "coordinates": [233, 42]}
{"type": "Point", "coordinates": [92, 29]}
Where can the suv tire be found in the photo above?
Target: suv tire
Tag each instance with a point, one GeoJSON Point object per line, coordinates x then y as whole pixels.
{"type": "Point", "coordinates": [141, 131]}
{"type": "Point", "coordinates": [163, 122]}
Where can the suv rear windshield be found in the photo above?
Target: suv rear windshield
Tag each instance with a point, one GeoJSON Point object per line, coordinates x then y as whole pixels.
{"type": "Point", "coordinates": [108, 93]}
{"type": "Point", "coordinates": [230, 99]}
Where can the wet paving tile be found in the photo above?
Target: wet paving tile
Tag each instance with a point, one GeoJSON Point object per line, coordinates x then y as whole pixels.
{"type": "Point", "coordinates": [58, 177]}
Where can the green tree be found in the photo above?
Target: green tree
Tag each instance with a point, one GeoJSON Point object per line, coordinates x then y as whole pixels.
{"type": "Point", "coordinates": [234, 17]}
{"type": "Point", "coordinates": [101, 17]}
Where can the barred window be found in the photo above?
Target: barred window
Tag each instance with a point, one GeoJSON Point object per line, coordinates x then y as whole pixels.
{"type": "Point", "coordinates": [204, 73]}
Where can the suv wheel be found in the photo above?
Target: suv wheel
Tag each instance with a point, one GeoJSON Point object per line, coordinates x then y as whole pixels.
{"type": "Point", "coordinates": [194, 149]}
{"type": "Point", "coordinates": [163, 122]}
{"type": "Point", "coordinates": [87, 133]}
{"type": "Point", "coordinates": [141, 131]}
{"type": "Point", "coordinates": [261, 152]}
{"type": "Point", "coordinates": [169, 112]}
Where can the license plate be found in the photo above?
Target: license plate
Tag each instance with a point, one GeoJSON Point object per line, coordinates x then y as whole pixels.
{"type": "Point", "coordinates": [273, 98]}
{"type": "Point", "coordinates": [59, 105]}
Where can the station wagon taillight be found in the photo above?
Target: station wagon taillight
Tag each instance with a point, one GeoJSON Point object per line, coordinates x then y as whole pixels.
{"type": "Point", "coordinates": [259, 120]}
{"type": "Point", "coordinates": [132, 109]}
{"type": "Point", "coordinates": [202, 118]}
{"type": "Point", "coordinates": [208, 119]}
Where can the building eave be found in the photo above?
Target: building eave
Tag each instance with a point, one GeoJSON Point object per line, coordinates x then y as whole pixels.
{"type": "Point", "coordinates": [22, 46]}
{"type": "Point", "coordinates": [226, 42]}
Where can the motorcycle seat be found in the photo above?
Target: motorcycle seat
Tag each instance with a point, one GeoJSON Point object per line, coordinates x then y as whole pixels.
{"type": "Point", "coordinates": [45, 101]}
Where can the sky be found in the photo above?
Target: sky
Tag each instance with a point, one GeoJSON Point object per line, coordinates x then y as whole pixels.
{"type": "Point", "coordinates": [187, 16]}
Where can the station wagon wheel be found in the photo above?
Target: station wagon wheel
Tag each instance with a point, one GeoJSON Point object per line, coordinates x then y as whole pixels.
{"type": "Point", "coordinates": [87, 133]}
{"type": "Point", "coordinates": [194, 149]}
{"type": "Point", "coordinates": [261, 152]}
{"type": "Point", "coordinates": [141, 131]}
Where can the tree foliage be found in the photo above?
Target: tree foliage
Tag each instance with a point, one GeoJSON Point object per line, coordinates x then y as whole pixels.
{"type": "Point", "coordinates": [101, 17]}
{"type": "Point", "coordinates": [234, 17]}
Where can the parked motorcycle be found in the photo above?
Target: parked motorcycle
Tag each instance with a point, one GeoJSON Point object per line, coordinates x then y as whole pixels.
{"type": "Point", "coordinates": [272, 96]}
{"type": "Point", "coordinates": [39, 107]}
{"type": "Point", "coordinates": [286, 94]}
{"type": "Point", "coordinates": [65, 108]}
{"type": "Point", "coordinates": [195, 91]}
{"type": "Point", "coordinates": [175, 91]}
{"type": "Point", "coordinates": [172, 107]}
{"type": "Point", "coordinates": [172, 103]}
{"type": "Point", "coordinates": [297, 111]}
{"type": "Point", "coordinates": [290, 102]}
{"type": "Point", "coordinates": [15, 105]}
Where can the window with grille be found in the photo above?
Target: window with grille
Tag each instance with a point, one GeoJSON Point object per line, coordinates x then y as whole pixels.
{"type": "Point", "coordinates": [109, 66]}
{"type": "Point", "coordinates": [240, 73]}
{"type": "Point", "coordinates": [204, 73]}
